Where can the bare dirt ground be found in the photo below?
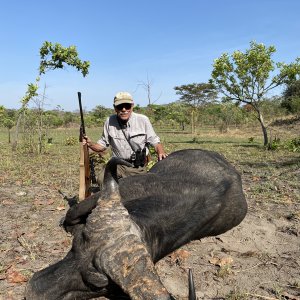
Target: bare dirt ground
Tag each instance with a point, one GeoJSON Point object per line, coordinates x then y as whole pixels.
{"type": "Point", "coordinates": [259, 259]}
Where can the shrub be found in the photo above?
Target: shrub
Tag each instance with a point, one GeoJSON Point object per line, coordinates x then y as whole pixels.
{"type": "Point", "coordinates": [293, 145]}
{"type": "Point", "coordinates": [71, 141]}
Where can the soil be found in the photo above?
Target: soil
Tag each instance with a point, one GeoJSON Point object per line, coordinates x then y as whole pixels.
{"type": "Point", "coordinates": [259, 259]}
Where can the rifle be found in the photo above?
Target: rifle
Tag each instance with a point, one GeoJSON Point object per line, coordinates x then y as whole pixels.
{"type": "Point", "coordinates": [84, 163]}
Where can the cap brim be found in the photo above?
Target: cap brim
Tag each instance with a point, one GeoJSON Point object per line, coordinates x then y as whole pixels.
{"type": "Point", "coordinates": [121, 101]}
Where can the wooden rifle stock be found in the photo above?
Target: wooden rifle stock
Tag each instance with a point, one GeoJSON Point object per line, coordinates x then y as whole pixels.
{"type": "Point", "coordinates": [84, 163]}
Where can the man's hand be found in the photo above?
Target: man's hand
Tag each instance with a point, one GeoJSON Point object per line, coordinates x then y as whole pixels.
{"type": "Point", "coordinates": [86, 140]}
{"type": "Point", "coordinates": [160, 152]}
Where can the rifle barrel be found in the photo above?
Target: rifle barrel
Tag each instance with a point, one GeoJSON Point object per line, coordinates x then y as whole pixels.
{"type": "Point", "coordinates": [81, 113]}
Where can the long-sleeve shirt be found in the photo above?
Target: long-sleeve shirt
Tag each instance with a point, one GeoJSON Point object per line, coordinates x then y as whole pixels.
{"type": "Point", "coordinates": [138, 129]}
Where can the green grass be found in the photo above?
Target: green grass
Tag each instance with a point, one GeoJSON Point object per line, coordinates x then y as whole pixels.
{"type": "Point", "coordinates": [267, 175]}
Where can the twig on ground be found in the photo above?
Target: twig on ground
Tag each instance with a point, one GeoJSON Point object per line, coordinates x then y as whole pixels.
{"type": "Point", "coordinates": [22, 241]}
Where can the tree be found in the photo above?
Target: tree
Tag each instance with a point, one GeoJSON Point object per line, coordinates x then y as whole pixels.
{"type": "Point", "coordinates": [246, 77]}
{"type": "Point", "coordinates": [159, 112]}
{"type": "Point", "coordinates": [68, 118]}
{"type": "Point", "coordinates": [53, 56]}
{"type": "Point", "coordinates": [53, 119]}
{"type": "Point", "coordinates": [100, 113]}
{"type": "Point", "coordinates": [291, 96]}
{"type": "Point", "coordinates": [178, 112]}
{"type": "Point", "coordinates": [225, 114]}
{"type": "Point", "coordinates": [7, 119]}
{"type": "Point", "coordinates": [196, 95]}
{"type": "Point", "coordinates": [272, 109]}
{"type": "Point", "coordinates": [147, 86]}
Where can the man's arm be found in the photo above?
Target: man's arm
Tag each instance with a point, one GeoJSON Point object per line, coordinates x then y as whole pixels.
{"type": "Point", "coordinates": [93, 146]}
{"type": "Point", "coordinates": [154, 140]}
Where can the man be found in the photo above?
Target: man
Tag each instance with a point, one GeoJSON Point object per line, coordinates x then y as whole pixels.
{"type": "Point", "coordinates": [128, 134]}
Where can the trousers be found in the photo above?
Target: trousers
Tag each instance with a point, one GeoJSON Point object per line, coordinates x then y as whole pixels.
{"type": "Point", "coordinates": [122, 172]}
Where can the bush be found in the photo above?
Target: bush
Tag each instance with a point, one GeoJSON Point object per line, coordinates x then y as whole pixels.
{"type": "Point", "coordinates": [71, 141]}
{"type": "Point", "coordinates": [274, 144]}
{"type": "Point", "coordinates": [293, 145]}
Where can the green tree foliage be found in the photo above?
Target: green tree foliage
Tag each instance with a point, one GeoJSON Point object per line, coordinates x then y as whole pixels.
{"type": "Point", "coordinates": [196, 95]}
{"type": "Point", "coordinates": [223, 115]}
{"type": "Point", "coordinates": [31, 92]}
{"type": "Point", "coordinates": [179, 113]}
{"type": "Point", "coordinates": [247, 77]}
{"type": "Point", "coordinates": [7, 119]}
{"type": "Point", "coordinates": [52, 56]}
{"type": "Point", "coordinates": [53, 118]}
{"type": "Point", "coordinates": [291, 97]}
{"type": "Point", "coordinates": [99, 114]}
{"type": "Point", "coordinates": [159, 112]}
{"type": "Point", "coordinates": [68, 118]}
{"type": "Point", "coordinates": [55, 56]}
{"type": "Point", "coordinates": [2, 112]}
{"type": "Point", "coordinates": [295, 106]}
{"type": "Point", "coordinates": [272, 108]}
{"type": "Point", "coordinates": [175, 113]}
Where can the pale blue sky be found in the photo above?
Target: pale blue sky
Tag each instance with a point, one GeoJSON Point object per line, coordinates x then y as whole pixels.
{"type": "Point", "coordinates": [171, 42]}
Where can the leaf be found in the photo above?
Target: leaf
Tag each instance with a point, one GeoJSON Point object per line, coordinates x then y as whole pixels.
{"type": "Point", "coordinates": [214, 261]}
{"type": "Point", "coordinates": [14, 276]}
{"type": "Point", "coordinates": [226, 261]}
{"type": "Point", "coordinates": [221, 262]}
{"type": "Point", "coordinates": [60, 207]}
{"type": "Point", "coordinates": [179, 256]}
{"type": "Point", "coordinates": [50, 201]}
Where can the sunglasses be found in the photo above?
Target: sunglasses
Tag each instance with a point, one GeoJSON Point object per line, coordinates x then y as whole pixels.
{"type": "Point", "coordinates": [127, 106]}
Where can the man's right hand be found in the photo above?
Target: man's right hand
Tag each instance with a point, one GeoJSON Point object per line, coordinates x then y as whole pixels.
{"type": "Point", "coordinates": [86, 141]}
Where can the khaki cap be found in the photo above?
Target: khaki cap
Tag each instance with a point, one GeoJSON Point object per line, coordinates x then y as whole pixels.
{"type": "Point", "coordinates": [123, 97]}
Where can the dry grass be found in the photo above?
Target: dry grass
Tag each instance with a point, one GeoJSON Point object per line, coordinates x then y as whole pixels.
{"type": "Point", "coordinates": [273, 175]}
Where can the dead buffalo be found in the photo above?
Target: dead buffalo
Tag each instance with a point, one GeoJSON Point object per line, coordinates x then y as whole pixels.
{"type": "Point", "coordinates": [120, 232]}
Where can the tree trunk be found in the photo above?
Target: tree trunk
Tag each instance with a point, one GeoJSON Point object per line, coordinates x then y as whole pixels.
{"type": "Point", "coordinates": [182, 126]}
{"type": "Point", "coordinates": [9, 136]}
{"type": "Point", "coordinates": [264, 129]}
{"type": "Point", "coordinates": [193, 121]}
{"type": "Point", "coordinates": [40, 125]}
{"type": "Point", "coordinates": [16, 141]}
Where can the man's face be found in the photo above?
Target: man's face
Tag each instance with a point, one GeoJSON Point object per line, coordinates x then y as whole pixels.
{"type": "Point", "coordinates": [124, 111]}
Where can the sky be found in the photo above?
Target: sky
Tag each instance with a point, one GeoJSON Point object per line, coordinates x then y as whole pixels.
{"type": "Point", "coordinates": [130, 43]}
